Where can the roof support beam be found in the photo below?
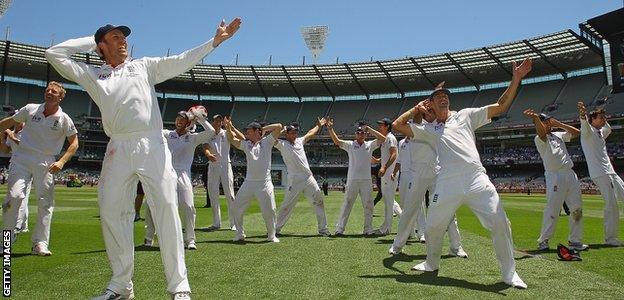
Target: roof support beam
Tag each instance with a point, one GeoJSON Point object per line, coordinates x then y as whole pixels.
{"type": "Point", "coordinates": [498, 61]}
{"type": "Point", "coordinates": [396, 86]}
{"type": "Point", "coordinates": [461, 70]}
{"type": "Point", "coordinates": [526, 42]}
{"type": "Point", "coordinates": [422, 71]}
{"type": "Point", "coordinates": [227, 83]}
{"type": "Point", "coordinates": [323, 82]}
{"type": "Point", "coordinates": [292, 85]}
{"type": "Point", "coordinates": [255, 74]}
{"type": "Point", "coordinates": [357, 82]}
{"type": "Point", "coordinates": [7, 45]}
{"type": "Point", "coordinates": [195, 85]}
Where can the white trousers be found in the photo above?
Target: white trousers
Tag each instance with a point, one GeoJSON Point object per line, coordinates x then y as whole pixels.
{"type": "Point", "coordinates": [184, 190]}
{"type": "Point", "coordinates": [141, 155]}
{"type": "Point", "coordinates": [307, 185]}
{"type": "Point", "coordinates": [22, 170]}
{"type": "Point", "coordinates": [388, 191]}
{"type": "Point", "coordinates": [220, 174]}
{"type": "Point", "coordinates": [413, 201]}
{"type": "Point", "coordinates": [263, 191]}
{"type": "Point", "coordinates": [355, 187]}
{"type": "Point", "coordinates": [562, 186]}
{"type": "Point", "coordinates": [22, 215]}
{"type": "Point", "coordinates": [612, 189]}
{"type": "Point", "coordinates": [476, 191]}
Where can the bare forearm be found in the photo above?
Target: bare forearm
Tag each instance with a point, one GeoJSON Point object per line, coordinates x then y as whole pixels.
{"type": "Point", "coordinates": [391, 159]}
{"type": "Point", "coordinates": [71, 150]}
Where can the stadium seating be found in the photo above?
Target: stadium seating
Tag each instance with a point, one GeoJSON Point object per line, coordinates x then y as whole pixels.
{"type": "Point", "coordinates": [536, 96]}
{"type": "Point", "coordinates": [282, 112]}
{"type": "Point", "coordinates": [577, 88]}
{"type": "Point", "coordinates": [347, 114]}
{"type": "Point", "coordinates": [248, 111]}
{"type": "Point", "coordinates": [309, 111]}
{"type": "Point", "coordinates": [379, 109]}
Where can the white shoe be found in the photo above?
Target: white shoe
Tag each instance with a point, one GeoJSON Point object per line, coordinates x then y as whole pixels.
{"type": "Point", "coordinates": [516, 282]}
{"type": "Point", "coordinates": [543, 245]}
{"type": "Point", "coordinates": [614, 243]}
{"type": "Point", "coordinates": [233, 227]}
{"type": "Point", "coordinates": [273, 240]}
{"type": "Point", "coordinates": [324, 232]}
{"type": "Point", "coordinates": [41, 249]}
{"type": "Point", "coordinates": [191, 245]}
{"type": "Point", "coordinates": [423, 267]}
{"type": "Point", "coordinates": [181, 296]}
{"type": "Point", "coordinates": [239, 237]}
{"type": "Point", "coordinates": [578, 246]}
{"type": "Point", "coordinates": [110, 295]}
{"type": "Point", "coordinates": [459, 252]}
{"type": "Point", "coordinates": [395, 250]}
{"type": "Point", "coordinates": [422, 239]}
{"type": "Point", "coordinates": [148, 243]}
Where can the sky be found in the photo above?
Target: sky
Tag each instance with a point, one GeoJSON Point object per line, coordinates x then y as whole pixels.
{"type": "Point", "coordinates": [358, 30]}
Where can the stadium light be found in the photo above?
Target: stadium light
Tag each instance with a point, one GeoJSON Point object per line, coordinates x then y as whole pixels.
{"type": "Point", "coordinates": [314, 37]}
{"type": "Point", "coordinates": [4, 5]}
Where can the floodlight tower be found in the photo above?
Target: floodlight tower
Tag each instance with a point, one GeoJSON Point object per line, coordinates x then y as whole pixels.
{"type": "Point", "coordinates": [314, 37]}
{"type": "Point", "coordinates": [4, 5]}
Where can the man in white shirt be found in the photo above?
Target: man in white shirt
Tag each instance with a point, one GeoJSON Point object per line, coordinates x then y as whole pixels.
{"type": "Point", "coordinates": [359, 180]}
{"type": "Point", "coordinates": [45, 130]}
{"type": "Point", "coordinates": [594, 132]}
{"type": "Point", "coordinates": [561, 181]}
{"type": "Point", "coordinates": [182, 144]}
{"type": "Point", "coordinates": [422, 170]}
{"type": "Point", "coordinates": [300, 178]}
{"type": "Point", "coordinates": [123, 89]}
{"type": "Point", "coordinates": [402, 172]}
{"type": "Point", "coordinates": [217, 150]}
{"type": "Point", "coordinates": [462, 178]}
{"type": "Point", "coordinates": [388, 186]}
{"type": "Point", "coordinates": [258, 182]}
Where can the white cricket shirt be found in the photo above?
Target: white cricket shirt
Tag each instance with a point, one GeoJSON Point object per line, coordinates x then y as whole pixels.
{"type": "Point", "coordinates": [42, 135]}
{"type": "Point", "coordinates": [595, 149]}
{"type": "Point", "coordinates": [359, 158]}
{"type": "Point", "coordinates": [554, 152]}
{"type": "Point", "coordinates": [294, 157]}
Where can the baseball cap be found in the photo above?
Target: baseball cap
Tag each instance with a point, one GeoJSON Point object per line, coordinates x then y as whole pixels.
{"type": "Point", "coordinates": [253, 125]}
{"type": "Point", "coordinates": [543, 117]}
{"type": "Point", "coordinates": [385, 121]}
{"type": "Point", "coordinates": [292, 126]}
{"type": "Point", "coordinates": [439, 90]}
{"type": "Point", "coordinates": [99, 34]}
{"type": "Point", "coordinates": [217, 116]}
{"type": "Point", "coordinates": [360, 129]}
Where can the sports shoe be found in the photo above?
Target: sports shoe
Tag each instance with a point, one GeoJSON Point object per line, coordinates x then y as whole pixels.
{"type": "Point", "coordinates": [41, 249]}
{"type": "Point", "coordinates": [273, 239]}
{"type": "Point", "coordinates": [459, 252]}
{"type": "Point", "coordinates": [423, 267]}
{"type": "Point", "coordinates": [233, 227]}
{"type": "Point", "coordinates": [110, 295]}
{"type": "Point", "coordinates": [379, 232]}
{"type": "Point", "coordinates": [422, 239]}
{"type": "Point", "coordinates": [543, 245]}
{"type": "Point", "coordinates": [213, 228]}
{"type": "Point", "coordinates": [181, 296]}
{"type": "Point", "coordinates": [614, 243]}
{"type": "Point", "coordinates": [395, 250]}
{"type": "Point", "coordinates": [578, 246]}
{"type": "Point", "coordinates": [516, 282]}
{"type": "Point", "coordinates": [148, 243]}
{"type": "Point", "coordinates": [137, 217]}
{"type": "Point", "coordinates": [324, 232]}
{"type": "Point", "coordinates": [239, 237]}
{"type": "Point", "coordinates": [339, 233]}
{"type": "Point", "coordinates": [191, 245]}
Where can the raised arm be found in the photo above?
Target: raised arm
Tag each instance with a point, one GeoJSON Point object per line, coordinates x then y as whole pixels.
{"type": "Point", "coordinates": [539, 126]}
{"type": "Point", "coordinates": [400, 124]}
{"type": "Point", "coordinates": [380, 137]}
{"type": "Point", "coordinates": [573, 131]}
{"type": "Point", "coordinates": [314, 130]}
{"type": "Point", "coordinates": [71, 150]}
{"type": "Point", "coordinates": [504, 102]}
{"type": "Point", "coordinates": [59, 56]}
{"type": "Point", "coordinates": [234, 140]}
{"type": "Point", "coordinates": [163, 68]}
{"type": "Point", "coordinates": [199, 115]}
{"type": "Point", "coordinates": [275, 129]}
{"type": "Point", "coordinates": [585, 126]}
{"type": "Point", "coordinates": [7, 123]}
{"type": "Point", "coordinates": [332, 133]}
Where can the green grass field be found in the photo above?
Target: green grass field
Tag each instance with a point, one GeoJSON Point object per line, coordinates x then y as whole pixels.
{"type": "Point", "coordinates": [304, 265]}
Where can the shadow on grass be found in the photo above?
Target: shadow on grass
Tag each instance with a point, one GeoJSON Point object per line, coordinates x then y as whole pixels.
{"type": "Point", "coordinates": [246, 241]}
{"type": "Point", "coordinates": [300, 235]}
{"type": "Point", "coordinates": [601, 246]}
{"type": "Point", "coordinates": [18, 255]}
{"type": "Point", "coordinates": [207, 229]}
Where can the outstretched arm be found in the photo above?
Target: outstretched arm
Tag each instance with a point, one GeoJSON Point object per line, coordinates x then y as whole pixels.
{"type": "Point", "coordinates": [234, 140]}
{"type": "Point", "coordinates": [380, 137]}
{"type": "Point", "coordinates": [504, 102]}
{"type": "Point", "coordinates": [319, 123]}
{"type": "Point", "coordinates": [332, 133]}
{"type": "Point", "coordinates": [59, 56]}
{"type": "Point", "coordinates": [539, 126]}
{"type": "Point", "coordinates": [275, 129]}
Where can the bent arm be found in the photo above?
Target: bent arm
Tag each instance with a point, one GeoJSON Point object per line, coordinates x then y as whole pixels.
{"type": "Point", "coordinates": [59, 56]}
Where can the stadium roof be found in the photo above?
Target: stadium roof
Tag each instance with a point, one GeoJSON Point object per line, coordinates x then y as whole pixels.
{"type": "Point", "coordinates": [555, 53]}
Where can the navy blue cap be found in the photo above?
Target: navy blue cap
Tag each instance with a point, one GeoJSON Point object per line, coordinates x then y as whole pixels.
{"type": "Point", "coordinates": [442, 90]}
{"type": "Point", "coordinates": [386, 121]}
{"type": "Point", "coordinates": [543, 117]}
{"type": "Point", "coordinates": [99, 34]}
{"type": "Point", "coordinates": [253, 125]}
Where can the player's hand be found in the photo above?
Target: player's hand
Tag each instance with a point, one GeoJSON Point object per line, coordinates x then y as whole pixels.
{"type": "Point", "coordinates": [530, 113]}
{"type": "Point", "coordinates": [225, 32]}
{"type": "Point", "coordinates": [211, 157]}
{"type": "Point", "coordinates": [382, 171]}
{"type": "Point", "coordinates": [56, 167]}
{"type": "Point", "coordinates": [321, 121]}
{"type": "Point", "coordinates": [365, 128]}
{"type": "Point", "coordinates": [582, 110]}
{"type": "Point", "coordinates": [11, 135]}
{"type": "Point", "coordinates": [330, 123]}
{"type": "Point", "coordinates": [393, 176]}
{"type": "Point", "coordinates": [227, 121]}
{"type": "Point", "coordinates": [421, 107]}
{"type": "Point", "coordinates": [519, 71]}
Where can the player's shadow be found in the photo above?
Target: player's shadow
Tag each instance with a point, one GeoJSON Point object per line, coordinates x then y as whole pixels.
{"type": "Point", "coordinates": [432, 278]}
{"type": "Point", "coordinates": [246, 241]}
{"type": "Point", "coordinates": [601, 246]}
{"type": "Point", "coordinates": [390, 241]}
{"type": "Point", "coordinates": [355, 236]}
{"type": "Point", "coordinates": [18, 255]}
{"type": "Point", "coordinates": [300, 235]}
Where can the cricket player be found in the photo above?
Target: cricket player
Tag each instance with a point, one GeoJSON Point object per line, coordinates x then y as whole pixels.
{"type": "Point", "coordinates": [217, 150]}
{"type": "Point", "coordinates": [9, 140]}
{"type": "Point", "coordinates": [462, 178]}
{"type": "Point", "coordinates": [561, 181]}
{"type": "Point", "coordinates": [359, 179]}
{"type": "Point", "coordinates": [404, 175]}
{"type": "Point", "coordinates": [594, 131]}
{"type": "Point", "coordinates": [389, 154]}
{"type": "Point", "coordinates": [421, 173]}
{"type": "Point", "coordinates": [300, 178]}
{"type": "Point", "coordinates": [45, 130]}
{"type": "Point", "coordinates": [258, 182]}
{"type": "Point", "coordinates": [123, 89]}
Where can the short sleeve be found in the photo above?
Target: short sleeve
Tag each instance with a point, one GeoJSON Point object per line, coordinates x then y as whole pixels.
{"type": "Point", "coordinates": [393, 142]}
{"type": "Point", "coordinates": [564, 135]}
{"type": "Point", "coordinates": [374, 145]}
{"type": "Point", "coordinates": [345, 145]}
{"type": "Point", "coordinates": [477, 117]}
{"type": "Point", "coordinates": [22, 114]}
{"type": "Point", "coordinates": [269, 139]}
{"type": "Point", "coordinates": [279, 145]}
{"type": "Point", "coordinates": [70, 128]}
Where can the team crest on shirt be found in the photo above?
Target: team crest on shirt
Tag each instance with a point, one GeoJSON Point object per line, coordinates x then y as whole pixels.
{"type": "Point", "coordinates": [104, 76]}
{"type": "Point", "coordinates": [555, 188]}
{"type": "Point", "coordinates": [131, 71]}
{"type": "Point", "coordinates": [55, 126]}
{"type": "Point", "coordinates": [435, 198]}
{"type": "Point", "coordinates": [36, 118]}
